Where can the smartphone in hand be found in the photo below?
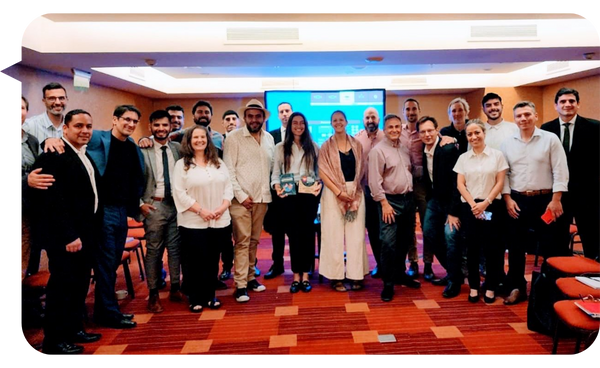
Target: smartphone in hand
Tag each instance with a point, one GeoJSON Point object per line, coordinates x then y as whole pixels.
{"type": "Point", "coordinates": [547, 217]}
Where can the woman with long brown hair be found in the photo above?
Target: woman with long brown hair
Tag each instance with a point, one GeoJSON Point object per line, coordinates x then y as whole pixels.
{"type": "Point", "coordinates": [202, 194]}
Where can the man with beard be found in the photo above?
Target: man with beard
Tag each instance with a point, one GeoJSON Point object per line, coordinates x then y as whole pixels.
{"type": "Point", "coordinates": [176, 117]}
{"type": "Point", "coordinates": [158, 210]}
{"type": "Point", "coordinates": [49, 124]}
{"type": "Point", "coordinates": [369, 138]}
{"type": "Point", "coordinates": [496, 128]}
{"type": "Point", "coordinates": [249, 158]}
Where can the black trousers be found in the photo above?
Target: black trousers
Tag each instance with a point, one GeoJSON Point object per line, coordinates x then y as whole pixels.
{"type": "Point", "coordinates": [227, 250]}
{"type": "Point", "coordinates": [200, 259]}
{"type": "Point", "coordinates": [549, 236]}
{"type": "Point", "coordinates": [584, 207]}
{"type": "Point", "coordinates": [484, 237]}
{"type": "Point", "coordinates": [65, 294]}
{"type": "Point", "coordinates": [372, 224]}
{"type": "Point", "coordinates": [299, 223]}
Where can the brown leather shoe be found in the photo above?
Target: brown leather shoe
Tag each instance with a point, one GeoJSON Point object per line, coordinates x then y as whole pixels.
{"type": "Point", "coordinates": [516, 296]}
{"type": "Point", "coordinates": [176, 296]}
{"type": "Point", "coordinates": [154, 304]}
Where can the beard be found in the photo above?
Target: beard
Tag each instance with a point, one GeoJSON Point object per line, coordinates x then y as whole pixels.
{"type": "Point", "coordinates": [371, 127]}
{"type": "Point", "coordinates": [254, 127]}
{"type": "Point", "coordinates": [202, 121]}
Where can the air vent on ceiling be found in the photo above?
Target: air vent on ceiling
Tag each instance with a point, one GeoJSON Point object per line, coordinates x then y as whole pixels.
{"type": "Point", "coordinates": [263, 36]}
{"type": "Point", "coordinates": [523, 32]}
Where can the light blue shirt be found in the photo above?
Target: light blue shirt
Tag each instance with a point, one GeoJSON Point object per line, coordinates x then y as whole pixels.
{"type": "Point", "coordinates": [42, 128]}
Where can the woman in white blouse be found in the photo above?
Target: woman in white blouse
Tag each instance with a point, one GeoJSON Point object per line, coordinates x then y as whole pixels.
{"type": "Point", "coordinates": [297, 155]}
{"type": "Point", "coordinates": [481, 172]}
{"type": "Point", "coordinates": [202, 192]}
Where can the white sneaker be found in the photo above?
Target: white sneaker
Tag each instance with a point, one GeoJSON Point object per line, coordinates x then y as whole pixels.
{"type": "Point", "coordinates": [241, 295]}
{"type": "Point", "coordinates": [256, 286]}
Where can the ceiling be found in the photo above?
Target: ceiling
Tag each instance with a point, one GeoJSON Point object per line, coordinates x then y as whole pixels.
{"type": "Point", "coordinates": [189, 55]}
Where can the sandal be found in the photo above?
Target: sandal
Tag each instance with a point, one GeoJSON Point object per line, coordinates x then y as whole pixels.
{"type": "Point", "coordinates": [214, 304]}
{"type": "Point", "coordinates": [357, 285]}
{"type": "Point", "coordinates": [197, 308]}
{"type": "Point", "coordinates": [339, 286]}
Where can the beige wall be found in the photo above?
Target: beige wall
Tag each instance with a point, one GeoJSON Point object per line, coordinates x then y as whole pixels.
{"type": "Point", "coordinates": [101, 101]}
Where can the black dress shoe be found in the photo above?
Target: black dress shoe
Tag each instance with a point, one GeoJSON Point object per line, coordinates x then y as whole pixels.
{"type": "Point", "coordinates": [62, 348]}
{"type": "Point", "coordinates": [306, 286]}
{"type": "Point", "coordinates": [452, 290]}
{"type": "Point", "coordinates": [220, 285]}
{"type": "Point", "coordinates": [489, 300]}
{"type": "Point", "coordinates": [84, 337]}
{"type": "Point", "coordinates": [273, 272]}
{"type": "Point", "coordinates": [428, 272]}
{"type": "Point", "coordinates": [295, 287]}
{"type": "Point", "coordinates": [473, 299]}
{"type": "Point", "coordinates": [128, 316]}
{"type": "Point", "coordinates": [388, 293]}
{"type": "Point", "coordinates": [440, 282]}
{"type": "Point", "coordinates": [375, 273]}
{"type": "Point", "coordinates": [413, 270]}
{"type": "Point", "coordinates": [117, 323]}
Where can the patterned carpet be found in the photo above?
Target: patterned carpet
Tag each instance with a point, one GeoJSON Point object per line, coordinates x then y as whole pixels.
{"type": "Point", "coordinates": [417, 321]}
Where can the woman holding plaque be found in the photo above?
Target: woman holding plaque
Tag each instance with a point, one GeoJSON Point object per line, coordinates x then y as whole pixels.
{"type": "Point", "coordinates": [342, 208]}
{"type": "Point", "coordinates": [295, 180]}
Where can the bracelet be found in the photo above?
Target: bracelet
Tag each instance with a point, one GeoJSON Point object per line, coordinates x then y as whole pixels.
{"type": "Point", "coordinates": [339, 194]}
{"type": "Point", "coordinates": [488, 201]}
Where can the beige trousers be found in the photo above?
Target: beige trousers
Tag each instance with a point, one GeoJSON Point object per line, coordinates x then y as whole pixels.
{"type": "Point", "coordinates": [247, 227]}
{"type": "Point", "coordinates": [335, 231]}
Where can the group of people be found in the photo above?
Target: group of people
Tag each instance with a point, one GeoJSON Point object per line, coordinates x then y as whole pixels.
{"type": "Point", "coordinates": [479, 188]}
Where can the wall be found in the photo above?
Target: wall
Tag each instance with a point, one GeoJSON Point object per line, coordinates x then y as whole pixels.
{"type": "Point", "coordinates": [101, 101]}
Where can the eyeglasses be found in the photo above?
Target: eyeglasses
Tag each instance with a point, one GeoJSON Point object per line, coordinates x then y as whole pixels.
{"type": "Point", "coordinates": [130, 120]}
{"type": "Point", "coordinates": [53, 99]}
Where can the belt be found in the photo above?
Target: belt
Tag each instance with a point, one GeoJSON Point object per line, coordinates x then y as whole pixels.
{"type": "Point", "coordinates": [159, 199]}
{"type": "Point", "coordinates": [531, 193]}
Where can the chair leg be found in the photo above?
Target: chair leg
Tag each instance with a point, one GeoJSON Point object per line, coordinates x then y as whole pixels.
{"type": "Point", "coordinates": [555, 342]}
{"type": "Point", "coordinates": [578, 343]}
{"type": "Point", "coordinates": [139, 260]}
{"type": "Point", "coordinates": [128, 280]}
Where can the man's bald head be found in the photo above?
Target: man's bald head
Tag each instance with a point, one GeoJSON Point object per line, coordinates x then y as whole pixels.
{"type": "Point", "coordinates": [371, 119]}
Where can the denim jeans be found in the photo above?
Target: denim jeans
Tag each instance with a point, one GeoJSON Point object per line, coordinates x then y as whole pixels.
{"type": "Point", "coordinates": [447, 244]}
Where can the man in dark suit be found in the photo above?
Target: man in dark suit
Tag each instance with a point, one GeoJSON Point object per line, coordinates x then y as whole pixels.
{"type": "Point", "coordinates": [581, 141]}
{"type": "Point", "coordinates": [441, 226]}
{"type": "Point", "coordinates": [274, 216]}
{"type": "Point", "coordinates": [158, 211]}
{"type": "Point", "coordinates": [121, 183]}
{"type": "Point", "coordinates": [71, 237]}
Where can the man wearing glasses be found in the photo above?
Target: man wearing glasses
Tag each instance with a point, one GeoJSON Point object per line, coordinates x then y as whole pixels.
{"type": "Point", "coordinates": [120, 164]}
{"type": "Point", "coordinates": [49, 124]}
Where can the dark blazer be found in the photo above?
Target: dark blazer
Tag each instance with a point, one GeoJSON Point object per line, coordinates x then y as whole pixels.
{"type": "Point", "coordinates": [584, 157]}
{"type": "Point", "coordinates": [65, 211]}
{"type": "Point", "coordinates": [444, 187]}
{"type": "Point", "coordinates": [34, 146]}
{"type": "Point", "coordinates": [276, 133]}
{"type": "Point", "coordinates": [461, 136]}
{"type": "Point", "coordinates": [98, 149]}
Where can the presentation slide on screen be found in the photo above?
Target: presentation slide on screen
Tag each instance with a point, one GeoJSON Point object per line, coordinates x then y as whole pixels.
{"type": "Point", "coordinates": [318, 106]}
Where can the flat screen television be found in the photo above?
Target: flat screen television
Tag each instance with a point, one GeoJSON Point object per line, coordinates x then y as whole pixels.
{"type": "Point", "coordinates": [318, 106]}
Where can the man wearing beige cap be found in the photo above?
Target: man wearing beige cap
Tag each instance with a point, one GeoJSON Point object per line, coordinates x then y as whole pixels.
{"type": "Point", "coordinates": [248, 154]}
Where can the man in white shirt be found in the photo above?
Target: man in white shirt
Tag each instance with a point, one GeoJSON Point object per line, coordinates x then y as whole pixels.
{"type": "Point", "coordinates": [496, 128]}
{"type": "Point", "coordinates": [249, 157]}
{"type": "Point", "coordinates": [49, 124]}
{"type": "Point", "coordinates": [536, 179]}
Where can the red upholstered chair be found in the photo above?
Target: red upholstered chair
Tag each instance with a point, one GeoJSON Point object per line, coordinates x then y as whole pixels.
{"type": "Point", "coordinates": [573, 265]}
{"type": "Point", "coordinates": [37, 280]}
{"type": "Point", "coordinates": [576, 320]}
{"type": "Point", "coordinates": [573, 289]}
{"type": "Point", "coordinates": [135, 245]}
{"type": "Point", "coordinates": [132, 223]}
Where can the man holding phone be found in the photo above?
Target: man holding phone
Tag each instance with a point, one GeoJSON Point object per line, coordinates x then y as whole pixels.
{"type": "Point", "coordinates": [536, 178]}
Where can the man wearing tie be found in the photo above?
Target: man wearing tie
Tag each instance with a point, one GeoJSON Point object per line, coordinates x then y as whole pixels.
{"type": "Point", "coordinates": [71, 237]}
{"type": "Point", "coordinates": [158, 210]}
{"type": "Point", "coordinates": [580, 139]}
